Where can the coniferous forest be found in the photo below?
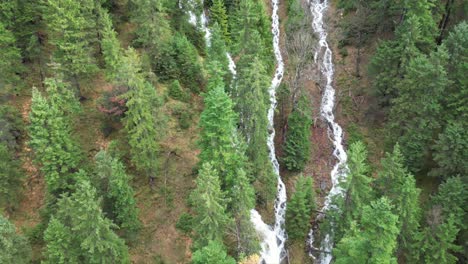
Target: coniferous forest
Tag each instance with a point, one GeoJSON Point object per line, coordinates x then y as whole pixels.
{"type": "Point", "coordinates": [234, 131]}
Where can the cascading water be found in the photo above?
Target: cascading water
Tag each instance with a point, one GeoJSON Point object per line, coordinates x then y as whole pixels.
{"type": "Point", "coordinates": [323, 58]}
{"type": "Point", "coordinates": [274, 238]}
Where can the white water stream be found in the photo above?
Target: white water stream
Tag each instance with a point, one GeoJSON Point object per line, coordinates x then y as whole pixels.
{"type": "Point", "coordinates": [323, 58]}
{"type": "Point", "coordinates": [273, 251]}
{"type": "Point", "coordinates": [274, 238]}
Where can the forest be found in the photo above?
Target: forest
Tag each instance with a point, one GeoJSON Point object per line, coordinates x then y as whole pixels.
{"type": "Point", "coordinates": [234, 131]}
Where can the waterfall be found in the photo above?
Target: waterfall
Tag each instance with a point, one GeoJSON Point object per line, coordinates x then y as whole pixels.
{"type": "Point", "coordinates": [323, 58]}
{"type": "Point", "coordinates": [274, 238]}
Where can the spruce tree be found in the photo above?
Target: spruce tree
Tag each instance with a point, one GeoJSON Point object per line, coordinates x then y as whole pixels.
{"type": "Point", "coordinates": [214, 252]}
{"type": "Point", "coordinates": [69, 24]}
{"type": "Point", "coordinates": [10, 60]}
{"type": "Point", "coordinates": [11, 177]}
{"type": "Point", "coordinates": [251, 103]}
{"type": "Point", "coordinates": [85, 234]}
{"type": "Point", "coordinates": [219, 16]}
{"type": "Point", "coordinates": [217, 52]}
{"type": "Point", "coordinates": [396, 183]}
{"type": "Point", "coordinates": [373, 239]}
{"type": "Point", "coordinates": [118, 192]}
{"type": "Point", "coordinates": [297, 145]}
{"type": "Point", "coordinates": [51, 139]}
{"type": "Point", "coordinates": [14, 248]}
{"type": "Point", "coordinates": [110, 45]}
{"type": "Point", "coordinates": [142, 121]}
{"type": "Point", "coordinates": [300, 208]}
{"type": "Point", "coordinates": [209, 205]}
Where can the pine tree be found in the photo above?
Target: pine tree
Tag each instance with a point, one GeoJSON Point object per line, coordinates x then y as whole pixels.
{"type": "Point", "coordinates": [11, 177]}
{"type": "Point", "coordinates": [10, 60]}
{"type": "Point", "coordinates": [300, 208]}
{"type": "Point", "coordinates": [111, 50]}
{"type": "Point", "coordinates": [85, 234]}
{"type": "Point", "coordinates": [214, 252]}
{"type": "Point", "coordinates": [218, 138]}
{"type": "Point", "coordinates": [373, 239]}
{"type": "Point", "coordinates": [118, 192]}
{"type": "Point", "coordinates": [142, 121]}
{"type": "Point", "coordinates": [217, 52]}
{"type": "Point", "coordinates": [413, 120]}
{"type": "Point", "coordinates": [243, 201]}
{"type": "Point", "coordinates": [397, 184]}
{"type": "Point", "coordinates": [219, 16]}
{"type": "Point", "coordinates": [51, 139]}
{"type": "Point", "coordinates": [297, 145]}
{"type": "Point", "coordinates": [69, 25]}
{"type": "Point", "coordinates": [251, 104]}
{"type": "Point", "coordinates": [14, 248]}
{"type": "Point", "coordinates": [209, 202]}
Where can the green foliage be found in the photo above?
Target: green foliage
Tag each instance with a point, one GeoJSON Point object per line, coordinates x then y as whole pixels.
{"type": "Point", "coordinates": [185, 223]}
{"type": "Point", "coordinates": [11, 177]}
{"type": "Point", "coordinates": [373, 239]}
{"type": "Point", "coordinates": [14, 248]}
{"type": "Point", "coordinates": [142, 121]}
{"type": "Point", "coordinates": [79, 232]}
{"type": "Point", "coordinates": [10, 60]}
{"type": "Point", "coordinates": [111, 50]}
{"type": "Point", "coordinates": [300, 208]}
{"type": "Point", "coordinates": [452, 199]}
{"type": "Point", "coordinates": [297, 145]}
{"type": "Point", "coordinates": [450, 150]}
{"type": "Point", "coordinates": [219, 15]}
{"type": "Point", "coordinates": [51, 139]}
{"type": "Point", "coordinates": [118, 191]}
{"type": "Point", "coordinates": [177, 92]}
{"type": "Point", "coordinates": [11, 127]}
{"type": "Point", "coordinates": [396, 183]}
{"type": "Point", "coordinates": [210, 218]}
{"type": "Point", "coordinates": [217, 52]}
{"type": "Point", "coordinates": [70, 25]}
{"type": "Point", "coordinates": [415, 118]}
{"type": "Point", "coordinates": [214, 252]}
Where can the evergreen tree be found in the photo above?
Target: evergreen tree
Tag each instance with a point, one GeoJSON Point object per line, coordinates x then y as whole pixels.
{"type": "Point", "coordinates": [10, 60]}
{"type": "Point", "coordinates": [79, 232]}
{"type": "Point", "coordinates": [10, 177]}
{"type": "Point", "coordinates": [14, 248]}
{"type": "Point", "coordinates": [69, 25]}
{"type": "Point", "coordinates": [297, 145]}
{"type": "Point", "coordinates": [217, 52]}
{"type": "Point", "coordinates": [51, 139]}
{"type": "Point", "coordinates": [413, 120]}
{"type": "Point", "coordinates": [243, 201]}
{"type": "Point", "coordinates": [218, 137]}
{"type": "Point", "coordinates": [214, 252]}
{"type": "Point", "coordinates": [251, 87]}
{"type": "Point", "coordinates": [142, 121]}
{"type": "Point", "coordinates": [300, 208]}
{"type": "Point", "coordinates": [209, 202]}
{"type": "Point", "coordinates": [118, 192]}
{"type": "Point", "coordinates": [110, 45]}
{"type": "Point", "coordinates": [371, 241]}
{"type": "Point", "coordinates": [219, 15]}
{"type": "Point", "coordinates": [397, 184]}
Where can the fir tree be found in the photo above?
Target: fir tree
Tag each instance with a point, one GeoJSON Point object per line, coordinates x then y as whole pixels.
{"type": "Point", "coordinates": [110, 45]}
{"type": "Point", "coordinates": [142, 121]}
{"type": "Point", "coordinates": [219, 16]}
{"type": "Point", "coordinates": [297, 145]}
{"type": "Point", "coordinates": [397, 184]}
{"type": "Point", "coordinates": [214, 252]}
{"type": "Point", "coordinates": [85, 234]}
{"type": "Point", "coordinates": [10, 60]}
{"type": "Point", "coordinates": [118, 191]}
{"type": "Point", "coordinates": [69, 25]}
{"type": "Point", "coordinates": [14, 248]}
{"type": "Point", "coordinates": [51, 139]}
{"type": "Point", "coordinates": [299, 209]}
{"type": "Point", "coordinates": [11, 177]}
{"type": "Point", "coordinates": [210, 218]}
{"type": "Point", "coordinates": [373, 240]}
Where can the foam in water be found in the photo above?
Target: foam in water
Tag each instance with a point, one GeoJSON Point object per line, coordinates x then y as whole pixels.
{"type": "Point", "coordinates": [274, 238]}
{"type": "Point", "coordinates": [323, 57]}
